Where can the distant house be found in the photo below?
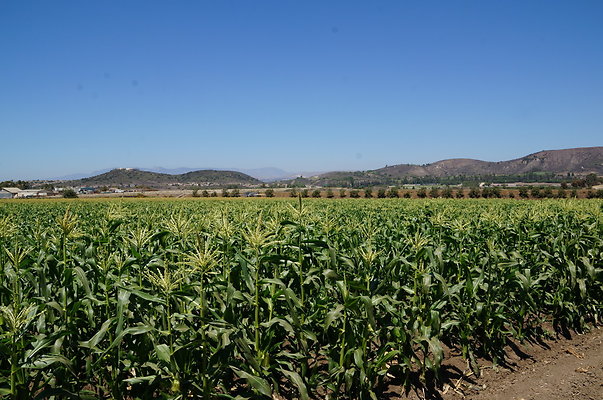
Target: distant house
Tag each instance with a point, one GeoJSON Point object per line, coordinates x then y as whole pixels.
{"type": "Point", "coordinates": [5, 194]}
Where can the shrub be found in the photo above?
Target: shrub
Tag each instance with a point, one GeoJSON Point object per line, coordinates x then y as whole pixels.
{"type": "Point", "coordinates": [316, 193]}
{"type": "Point", "coordinates": [381, 193]}
{"type": "Point", "coordinates": [474, 193]}
{"type": "Point", "coordinates": [354, 194]}
{"type": "Point", "coordinates": [269, 192]}
{"type": "Point", "coordinates": [368, 193]}
{"type": "Point", "coordinates": [69, 194]}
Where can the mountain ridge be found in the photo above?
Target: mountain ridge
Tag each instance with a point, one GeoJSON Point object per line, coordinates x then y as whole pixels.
{"type": "Point", "coordinates": [574, 161]}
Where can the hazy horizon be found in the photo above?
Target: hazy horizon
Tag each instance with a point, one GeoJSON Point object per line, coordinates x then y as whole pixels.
{"type": "Point", "coordinates": [309, 86]}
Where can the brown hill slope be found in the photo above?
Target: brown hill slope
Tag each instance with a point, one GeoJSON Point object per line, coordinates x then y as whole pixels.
{"type": "Point", "coordinates": [578, 161]}
{"type": "Point", "coordinates": [583, 160]}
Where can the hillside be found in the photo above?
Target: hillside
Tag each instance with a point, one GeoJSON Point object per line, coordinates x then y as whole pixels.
{"type": "Point", "coordinates": [133, 177]}
{"type": "Point", "coordinates": [548, 164]}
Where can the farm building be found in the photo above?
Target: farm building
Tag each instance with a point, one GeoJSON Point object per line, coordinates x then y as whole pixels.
{"type": "Point", "coordinates": [9, 192]}
{"type": "Point", "coordinates": [28, 193]}
{"type": "Point", "coordinates": [5, 194]}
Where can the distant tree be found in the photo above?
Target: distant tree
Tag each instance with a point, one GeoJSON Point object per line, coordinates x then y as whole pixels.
{"type": "Point", "coordinates": [460, 194]}
{"type": "Point", "coordinates": [204, 193]}
{"type": "Point", "coordinates": [225, 193]}
{"type": "Point", "coordinates": [381, 194]}
{"type": "Point", "coordinates": [305, 193]}
{"type": "Point", "coordinates": [214, 194]}
{"type": "Point", "coordinates": [574, 193]}
{"type": "Point", "coordinates": [561, 193]}
{"type": "Point", "coordinates": [69, 194]}
{"type": "Point", "coordinates": [316, 193]}
{"type": "Point", "coordinates": [407, 194]}
{"type": "Point", "coordinates": [447, 193]}
{"type": "Point", "coordinates": [23, 184]}
{"type": "Point", "coordinates": [269, 192]}
{"type": "Point", "coordinates": [563, 185]}
{"type": "Point", "coordinates": [195, 192]}
{"type": "Point", "coordinates": [523, 192]}
{"type": "Point", "coordinates": [393, 193]}
{"type": "Point", "coordinates": [368, 193]}
{"type": "Point", "coordinates": [293, 193]}
{"type": "Point", "coordinates": [422, 193]}
{"type": "Point", "coordinates": [548, 193]}
{"type": "Point", "coordinates": [511, 195]}
{"type": "Point", "coordinates": [434, 192]}
{"type": "Point", "coordinates": [591, 180]}
{"type": "Point", "coordinates": [474, 193]}
{"type": "Point", "coordinates": [235, 193]}
{"type": "Point", "coordinates": [354, 194]}
{"type": "Point", "coordinates": [536, 193]}
{"type": "Point", "coordinates": [342, 193]}
{"type": "Point", "coordinates": [330, 194]}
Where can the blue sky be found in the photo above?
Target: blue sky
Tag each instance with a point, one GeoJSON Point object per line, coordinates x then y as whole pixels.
{"type": "Point", "coordinates": [300, 85]}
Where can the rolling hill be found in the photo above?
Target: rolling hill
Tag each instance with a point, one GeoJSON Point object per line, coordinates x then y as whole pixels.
{"type": "Point", "coordinates": [134, 177]}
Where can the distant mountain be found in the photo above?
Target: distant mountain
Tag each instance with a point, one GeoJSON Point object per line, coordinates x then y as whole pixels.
{"type": "Point", "coordinates": [547, 163]}
{"type": "Point", "coordinates": [267, 174]}
{"type": "Point", "coordinates": [135, 177]}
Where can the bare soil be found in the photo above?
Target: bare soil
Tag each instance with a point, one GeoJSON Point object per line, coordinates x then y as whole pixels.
{"type": "Point", "coordinates": [561, 369]}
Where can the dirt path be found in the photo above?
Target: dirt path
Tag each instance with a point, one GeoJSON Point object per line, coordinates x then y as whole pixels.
{"type": "Point", "coordinates": [563, 369]}
{"type": "Point", "coordinates": [570, 369]}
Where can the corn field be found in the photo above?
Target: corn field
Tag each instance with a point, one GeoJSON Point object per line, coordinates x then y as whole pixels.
{"type": "Point", "coordinates": [235, 299]}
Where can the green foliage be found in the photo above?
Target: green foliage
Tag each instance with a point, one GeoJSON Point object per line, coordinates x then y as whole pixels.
{"type": "Point", "coordinates": [269, 192]}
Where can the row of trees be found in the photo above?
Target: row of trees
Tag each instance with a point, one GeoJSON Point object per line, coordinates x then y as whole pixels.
{"type": "Point", "coordinates": [474, 193]}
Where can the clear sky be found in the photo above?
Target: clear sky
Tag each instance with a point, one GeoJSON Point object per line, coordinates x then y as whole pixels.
{"type": "Point", "coordinates": [299, 85]}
